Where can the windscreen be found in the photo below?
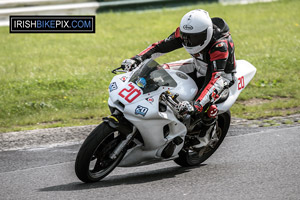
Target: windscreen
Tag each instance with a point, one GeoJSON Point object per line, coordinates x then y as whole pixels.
{"type": "Point", "coordinates": [150, 76]}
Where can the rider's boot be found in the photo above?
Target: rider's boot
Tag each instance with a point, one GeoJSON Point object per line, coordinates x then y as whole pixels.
{"type": "Point", "coordinates": [208, 130]}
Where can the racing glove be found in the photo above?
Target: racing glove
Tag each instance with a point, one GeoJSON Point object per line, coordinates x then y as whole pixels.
{"type": "Point", "coordinates": [131, 64]}
{"type": "Point", "coordinates": [198, 107]}
{"type": "Point", "coordinates": [185, 107]}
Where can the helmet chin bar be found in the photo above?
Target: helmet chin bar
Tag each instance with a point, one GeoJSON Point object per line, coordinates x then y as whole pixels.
{"type": "Point", "coordinates": [193, 50]}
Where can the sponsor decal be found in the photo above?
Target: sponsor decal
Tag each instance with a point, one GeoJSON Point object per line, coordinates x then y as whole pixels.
{"type": "Point", "coordinates": [113, 86]}
{"type": "Point", "coordinates": [123, 78]}
{"type": "Point", "coordinates": [141, 82]}
{"type": "Point", "coordinates": [52, 24]}
{"type": "Point", "coordinates": [141, 110]}
{"type": "Point", "coordinates": [188, 27]}
{"type": "Point", "coordinates": [219, 45]}
{"type": "Point", "coordinates": [181, 75]}
{"type": "Point", "coordinates": [150, 100]}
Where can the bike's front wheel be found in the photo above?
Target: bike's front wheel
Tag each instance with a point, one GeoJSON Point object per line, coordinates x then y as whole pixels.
{"type": "Point", "coordinates": [93, 161]}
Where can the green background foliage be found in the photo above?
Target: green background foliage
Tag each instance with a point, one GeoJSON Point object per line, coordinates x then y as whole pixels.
{"type": "Point", "coordinates": [50, 80]}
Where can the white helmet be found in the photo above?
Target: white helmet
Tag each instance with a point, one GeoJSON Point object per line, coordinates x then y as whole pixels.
{"type": "Point", "coordinates": [196, 30]}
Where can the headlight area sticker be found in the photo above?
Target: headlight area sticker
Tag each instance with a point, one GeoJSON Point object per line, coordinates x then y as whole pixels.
{"type": "Point", "coordinates": [52, 24]}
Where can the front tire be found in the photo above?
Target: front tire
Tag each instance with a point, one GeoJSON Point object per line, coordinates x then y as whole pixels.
{"type": "Point", "coordinates": [188, 158]}
{"type": "Point", "coordinates": [93, 162]}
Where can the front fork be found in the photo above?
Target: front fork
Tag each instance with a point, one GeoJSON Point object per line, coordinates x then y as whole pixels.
{"type": "Point", "coordinates": [124, 127]}
{"type": "Point", "coordinates": [123, 144]}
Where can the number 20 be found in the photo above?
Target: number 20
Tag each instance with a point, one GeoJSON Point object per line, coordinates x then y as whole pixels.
{"type": "Point", "coordinates": [241, 83]}
{"type": "Point", "coordinates": [130, 94]}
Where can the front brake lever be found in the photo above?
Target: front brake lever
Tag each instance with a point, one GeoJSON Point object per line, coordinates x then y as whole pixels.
{"type": "Point", "coordinates": [117, 70]}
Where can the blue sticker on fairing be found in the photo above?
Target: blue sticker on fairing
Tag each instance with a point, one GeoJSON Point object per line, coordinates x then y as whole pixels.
{"type": "Point", "coordinates": [113, 86]}
{"type": "Point", "coordinates": [141, 82]}
{"type": "Point", "coordinates": [140, 110]}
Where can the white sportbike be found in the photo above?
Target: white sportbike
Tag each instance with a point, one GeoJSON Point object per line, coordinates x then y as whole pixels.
{"type": "Point", "coordinates": [145, 125]}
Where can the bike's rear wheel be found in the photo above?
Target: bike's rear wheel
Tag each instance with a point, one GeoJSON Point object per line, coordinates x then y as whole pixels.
{"type": "Point", "coordinates": [93, 160]}
{"type": "Point", "coordinates": [188, 158]}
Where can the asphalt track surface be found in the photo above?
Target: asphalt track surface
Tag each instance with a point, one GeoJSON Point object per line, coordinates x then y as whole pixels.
{"type": "Point", "coordinates": [262, 164]}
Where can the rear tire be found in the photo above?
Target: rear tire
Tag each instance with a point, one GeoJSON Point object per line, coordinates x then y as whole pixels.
{"type": "Point", "coordinates": [92, 162]}
{"type": "Point", "coordinates": [192, 158]}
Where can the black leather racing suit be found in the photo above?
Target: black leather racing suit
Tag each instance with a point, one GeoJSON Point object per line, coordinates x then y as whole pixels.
{"type": "Point", "coordinates": [211, 68]}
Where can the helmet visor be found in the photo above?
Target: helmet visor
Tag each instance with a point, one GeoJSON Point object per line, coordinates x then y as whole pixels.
{"type": "Point", "coordinates": [193, 39]}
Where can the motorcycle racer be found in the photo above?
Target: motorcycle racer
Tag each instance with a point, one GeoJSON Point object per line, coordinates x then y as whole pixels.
{"type": "Point", "coordinates": [212, 65]}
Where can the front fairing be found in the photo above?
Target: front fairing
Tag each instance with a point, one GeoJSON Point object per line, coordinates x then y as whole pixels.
{"type": "Point", "coordinates": [144, 86]}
